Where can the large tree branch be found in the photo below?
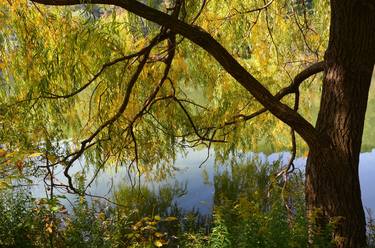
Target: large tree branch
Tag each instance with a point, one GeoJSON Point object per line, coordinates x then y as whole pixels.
{"type": "Point", "coordinates": [207, 42]}
{"type": "Point", "coordinates": [293, 88]}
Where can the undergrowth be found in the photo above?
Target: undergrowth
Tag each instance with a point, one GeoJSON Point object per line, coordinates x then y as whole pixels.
{"type": "Point", "coordinates": [252, 208]}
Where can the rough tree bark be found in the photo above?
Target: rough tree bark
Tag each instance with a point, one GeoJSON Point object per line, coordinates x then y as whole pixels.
{"type": "Point", "coordinates": [332, 184]}
{"type": "Point", "coordinates": [332, 181]}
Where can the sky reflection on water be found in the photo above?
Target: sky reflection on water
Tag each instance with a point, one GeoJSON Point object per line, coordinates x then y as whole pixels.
{"type": "Point", "coordinates": [199, 181]}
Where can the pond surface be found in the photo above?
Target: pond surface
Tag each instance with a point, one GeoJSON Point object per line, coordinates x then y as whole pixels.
{"type": "Point", "coordinates": [199, 181]}
{"type": "Point", "coordinates": [200, 195]}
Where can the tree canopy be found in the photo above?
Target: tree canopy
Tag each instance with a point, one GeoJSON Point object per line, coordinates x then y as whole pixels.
{"type": "Point", "coordinates": [101, 79]}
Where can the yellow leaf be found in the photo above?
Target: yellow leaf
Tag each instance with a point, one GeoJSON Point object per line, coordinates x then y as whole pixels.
{"type": "Point", "coordinates": [36, 154]}
{"type": "Point", "coordinates": [49, 229]}
{"type": "Point", "coordinates": [157, 217]}
{"type": "Point", "coordinates": [170, 218]}
{"type": "Point", "coordinates": [8, 155]}
{"type": "Point", "coordinates": [158, 243]}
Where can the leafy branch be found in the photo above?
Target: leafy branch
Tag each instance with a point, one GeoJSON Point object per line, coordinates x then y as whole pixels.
{"type": "Point", "coordinates": [214, 48]}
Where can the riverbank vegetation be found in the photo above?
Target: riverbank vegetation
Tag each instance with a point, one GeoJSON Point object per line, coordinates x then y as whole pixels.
{"type": "Point", "coordinates": [252, 208]}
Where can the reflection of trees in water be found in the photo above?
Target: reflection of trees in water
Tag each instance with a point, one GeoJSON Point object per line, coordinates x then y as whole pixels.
{"type": "Point", "coordinates": [146, 202]}
{"type": "Point", "coordinates": [252, 182]}
{"type": "Point", "coordinates": [255, 182]}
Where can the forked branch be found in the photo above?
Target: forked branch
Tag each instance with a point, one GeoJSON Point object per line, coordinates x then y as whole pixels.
{"type": "Point", "coordinates": [214, 48]}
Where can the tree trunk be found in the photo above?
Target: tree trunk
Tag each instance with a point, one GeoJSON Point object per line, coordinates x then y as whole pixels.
{"type": "Point", "coordinates": [332, 180]}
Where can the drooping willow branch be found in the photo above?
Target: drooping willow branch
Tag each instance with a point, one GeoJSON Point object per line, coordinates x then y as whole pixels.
{"type": "Point", "coordinates": [208, 43]}
{"type": "Point", "coordinates": [145, 53]}
{"type": "Point", "coordinates": [51, 95]}
{"type": "Point", "coordinates": [205, 135]}
{"type": "Point", "coordinates": [247, 11]}
{"type": "Point", "coordinates": [151, 99]}
{"type": "Point", "coordinates": [110, 121]}
{"type": "Point", "coordinates": [293, 88]}
{"type": "Point", "coordinates": [214, 48]}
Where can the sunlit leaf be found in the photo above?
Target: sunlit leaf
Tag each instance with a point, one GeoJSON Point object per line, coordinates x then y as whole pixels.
{"type": "Point", "coordinates": [158, 243]}
{"type": "Point", "coordinates": [170, 218]}
{"type": "Point", "coordinates": [157, 217]}
{"type": "Point", "coordinates": [37, 154]}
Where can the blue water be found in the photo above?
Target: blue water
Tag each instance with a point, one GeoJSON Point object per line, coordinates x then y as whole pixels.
{"type": "Point", "coordinates": [199, 181]}
{"type": "Point", "coordinates": [200, 195]}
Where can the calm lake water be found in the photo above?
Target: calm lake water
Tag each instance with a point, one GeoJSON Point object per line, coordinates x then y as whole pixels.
{"type": "Point", "coordinates": [200, 195]}
{"type": "Point", "coordinates": [199, 181]}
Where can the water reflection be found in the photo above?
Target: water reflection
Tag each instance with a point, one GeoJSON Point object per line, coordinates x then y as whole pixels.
{"type": "Point", "coordinates": [192, 187]}
{"type": "Point", "coordinates": [144, 201]}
